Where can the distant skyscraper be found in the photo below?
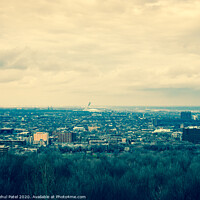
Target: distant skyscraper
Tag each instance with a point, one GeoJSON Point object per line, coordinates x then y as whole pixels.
{"type": "Point", "coordinates": [186, 115]}
{"type": "Point", "coordinates": [68, 137]}
{"type": "Point", "coordinates": [191, 134]}
{"type": "Point", "coordinates": [41, 136]}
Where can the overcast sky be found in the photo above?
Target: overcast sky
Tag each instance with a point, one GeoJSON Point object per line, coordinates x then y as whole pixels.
{"type": "Point", "coordinates": [109, 52]}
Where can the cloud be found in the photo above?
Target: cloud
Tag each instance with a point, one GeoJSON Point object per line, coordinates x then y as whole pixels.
{"type": "Point", "coordinates": [10, 75]}
{"type": "Point", "coordinates": [99, 49]}
{"type": "Point", "coordinates": [16, 58]}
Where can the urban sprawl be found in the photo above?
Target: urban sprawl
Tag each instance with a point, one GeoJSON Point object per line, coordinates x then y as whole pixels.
{"type": "Point", "coordinates": [93, 131]}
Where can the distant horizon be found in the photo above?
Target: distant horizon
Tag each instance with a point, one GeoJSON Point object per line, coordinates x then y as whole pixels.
{"type": "Point", "coordinates": [93, 106]}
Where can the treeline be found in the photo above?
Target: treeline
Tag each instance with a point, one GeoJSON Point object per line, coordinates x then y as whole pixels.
{"type": "Point", "coordinates": [139, 175]}
{"type": "Point", "coordinates": [94, 149]}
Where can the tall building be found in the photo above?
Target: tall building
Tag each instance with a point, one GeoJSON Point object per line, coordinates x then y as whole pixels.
{"type": "Point", "coordinates": [41, 136]}
{"type": "Point", "coordinates": [68, 137]}
{"type": "Point", "coordinates": [186, 115]}
{"type": "Point", "coordinates": [191, 134]}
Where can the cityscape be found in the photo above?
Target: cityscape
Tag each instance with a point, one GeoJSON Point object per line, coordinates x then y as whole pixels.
{"type": "Point", "coordinates": [99, 99]}
{"type": "Point", "coordinates": [91, 131]}
{"type": "Point", "coordinates": [79, 152]}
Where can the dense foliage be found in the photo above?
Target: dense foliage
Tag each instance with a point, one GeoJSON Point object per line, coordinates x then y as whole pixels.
{"type": "Point", "coordinates": [139, 175]}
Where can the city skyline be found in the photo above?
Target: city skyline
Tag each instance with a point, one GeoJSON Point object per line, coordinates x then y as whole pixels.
{"type": "Point", "coordinates": [124, 53]}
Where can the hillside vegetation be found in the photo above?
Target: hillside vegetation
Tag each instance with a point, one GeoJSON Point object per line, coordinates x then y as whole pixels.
{"type": "Point", "coordinates": [139, 175]}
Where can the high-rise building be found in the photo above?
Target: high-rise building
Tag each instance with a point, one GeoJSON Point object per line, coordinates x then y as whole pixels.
{"type": "Point", "coordinates": [191, 134]}
{"type": "Point", "coordinates": [186, 115]}
{"type": "Point", "coordinates": [41, 136]}
{"type": "Point", "coordinates": [68, 137]}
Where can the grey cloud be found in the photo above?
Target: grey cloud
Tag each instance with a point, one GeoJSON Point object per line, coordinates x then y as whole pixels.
{"type": "Point", "coordinates": [15, 58]}
{"type": "Point", "coordinates": [114, 48]}
{"type": "Point", "coordinates": [175, 92]}
{"type": "Point", "coordinates": [10, 75]}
